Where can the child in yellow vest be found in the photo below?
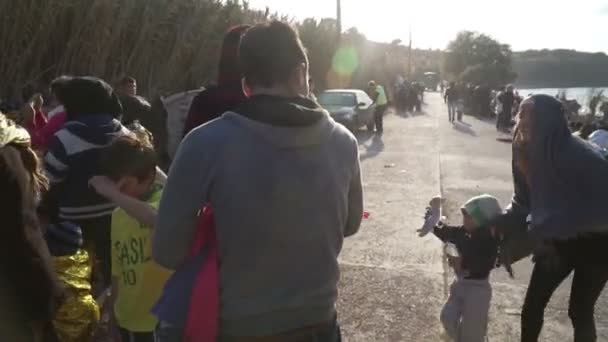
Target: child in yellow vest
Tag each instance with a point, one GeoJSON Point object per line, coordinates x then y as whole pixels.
{"type": "Point", "coordinates": [137, 281]}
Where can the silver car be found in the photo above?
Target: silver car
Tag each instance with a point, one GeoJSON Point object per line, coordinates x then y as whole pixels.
{"type": "Point", "coordinates": [351, 107]}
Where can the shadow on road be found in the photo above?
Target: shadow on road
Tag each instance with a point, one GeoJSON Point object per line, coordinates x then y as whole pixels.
{"type": "Point", "coordinates": [464, 128]}
{"type": "Point", "coordinates": [375, 148]}
{"type": "Point", "coordinates": [486, 119]}
{"type": "Point", "coordinates": [363, 136]}
{"type": "Point", "coordinates": [407, 114]}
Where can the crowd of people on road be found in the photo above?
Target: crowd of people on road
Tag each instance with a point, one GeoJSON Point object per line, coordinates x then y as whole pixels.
{"type": "Point", "coordinates": [101, 244]}
{"type": "Point", "coordinates": [482, 102]}
{"type": "Point", "coordinates": [409, 96]}
{"type": "Point", "coordinates": [240, 241]}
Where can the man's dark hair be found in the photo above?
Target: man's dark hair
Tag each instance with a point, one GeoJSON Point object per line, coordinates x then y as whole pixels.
{"type": "Point", "coordinates": [127, 156]}
{"type": "Point", "coordinates": [269, 53]}
{"type": "Point", "coordinates": [127, 81]}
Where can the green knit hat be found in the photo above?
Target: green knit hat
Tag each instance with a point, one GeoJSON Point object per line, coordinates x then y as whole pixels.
{"type": "Point", "coordinates": [483, 209]}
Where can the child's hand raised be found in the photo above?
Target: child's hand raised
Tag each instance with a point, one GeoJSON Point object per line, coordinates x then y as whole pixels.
{"type": "Point", "coordinates": [431, 217]}
{"type": "Point", "coordinates": [435, 203]}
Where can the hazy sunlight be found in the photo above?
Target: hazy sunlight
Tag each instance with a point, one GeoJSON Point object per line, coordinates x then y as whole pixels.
{"type": "Point", "coordinates": [520, 23]}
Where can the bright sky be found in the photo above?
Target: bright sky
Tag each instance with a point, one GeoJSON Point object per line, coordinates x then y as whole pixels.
{"type": "Point", "coordinates": [524, 24]}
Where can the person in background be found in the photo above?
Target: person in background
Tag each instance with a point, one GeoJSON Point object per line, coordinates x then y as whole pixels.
{"type": "Point", "coordinates": [134, 107]}
{"type": "Point", "coordinates": [465, 314]}
{"type": "Point", "coordinates": [77, 318]}
{"type": "Point", "coordinates": [129, 166]}
{"type": "Point", "coordinates": [451, 97]}
{"type": "Point", "coordinates": [285, 150]}
{"type": "Point", "coordinates": [484, 98]}
{"type": "Point", "coordinates": [378, 95]}
{"type": "Point", "coordinates": [30, 291]}
{"type": "Point", "coordinates": [401, 96]}
{"type": "Point", "coordinates": [128, 86]}
{"type": "Point", "coordinates": [507, 100]}
{"type": "Point", "coordinates": [180, 315]}
{"type": "Point", "coordinates": [72, 159]}
{"type": "Point", "coordinates": [42, 133]}
{"type": "Point", "coordinates": [477, 98]}
{"type": "Point", "coordinates": [468, 98]}
{"type": "Point", "coordinates": [228, 94]}
{"type": "Point", "coordinates": [32, 115]}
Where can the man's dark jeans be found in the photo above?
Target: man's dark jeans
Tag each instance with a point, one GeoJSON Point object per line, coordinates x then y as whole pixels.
{"type": "Point", "coordinates": [503, 121]}
{"type": "Point", "coordinates": [379, 118]}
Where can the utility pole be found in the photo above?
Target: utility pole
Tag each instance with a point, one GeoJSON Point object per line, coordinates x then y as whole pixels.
{"type": "Point", "coordinates": [339, 20]}
{"type": "Point", "coordinates": [409, 60]}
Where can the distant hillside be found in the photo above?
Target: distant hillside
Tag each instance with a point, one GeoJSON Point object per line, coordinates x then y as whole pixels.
{"type": "Point", "coordinates": [560, 68]}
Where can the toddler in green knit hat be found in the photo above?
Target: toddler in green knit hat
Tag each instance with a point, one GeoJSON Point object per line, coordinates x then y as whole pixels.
{"type": "Point", "coordinates": [471, 250]}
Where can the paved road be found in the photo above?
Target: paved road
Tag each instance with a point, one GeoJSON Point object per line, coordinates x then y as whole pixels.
{"type": "Point", "coordinates": [394, 283]}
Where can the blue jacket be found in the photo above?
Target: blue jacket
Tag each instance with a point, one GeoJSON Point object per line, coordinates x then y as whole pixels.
{"type": "Point", "coordinates": [72, 159]}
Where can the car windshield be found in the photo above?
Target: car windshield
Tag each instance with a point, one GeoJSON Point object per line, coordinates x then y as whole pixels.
{"type": "Point", "coordinates": [338, 99]}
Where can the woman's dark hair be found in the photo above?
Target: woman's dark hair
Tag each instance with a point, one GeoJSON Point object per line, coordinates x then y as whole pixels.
{"type": "Point", "coordinates": [229, 68]}
{"type": "Point", "coordinates": [549, 117]}
{"type": "Point", "coordinates": [269, 53]}
{"type": "Point", "coordinates": [88, 96]}
{"type": "Point", "coordinates": [127, 156]}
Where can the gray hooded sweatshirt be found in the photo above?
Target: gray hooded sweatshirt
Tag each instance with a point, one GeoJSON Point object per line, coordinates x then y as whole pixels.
{"type": "Point", "coordinates": [284, 183]}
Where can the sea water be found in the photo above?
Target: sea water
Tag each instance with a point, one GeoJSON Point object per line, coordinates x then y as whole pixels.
{"type": "Point", "coordinates": [582, 95]}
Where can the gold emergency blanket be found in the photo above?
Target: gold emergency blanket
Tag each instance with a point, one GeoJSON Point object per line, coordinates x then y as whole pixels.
{"type": "Point", "coordinates": [79, 314]}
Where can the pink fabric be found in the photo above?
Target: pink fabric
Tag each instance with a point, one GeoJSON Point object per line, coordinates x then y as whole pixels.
{"type": "Point", "coordinates": [203, 315]}
{"type": "Point", "coordinates": [42, 132]}
{"type": "Point", "coordinates": [39, 118]}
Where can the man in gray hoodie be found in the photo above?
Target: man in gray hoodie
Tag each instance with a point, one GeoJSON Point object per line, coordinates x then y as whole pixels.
{"type": "Point", "coordinates": [284, 182]}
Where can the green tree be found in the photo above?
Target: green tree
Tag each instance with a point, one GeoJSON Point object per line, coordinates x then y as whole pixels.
{"type": "Point", "coordinates": [478, 58]}
{"type": "Point", "coordinates": [560, 68]}
{"type": "Point", "coordinates": [318, 36]}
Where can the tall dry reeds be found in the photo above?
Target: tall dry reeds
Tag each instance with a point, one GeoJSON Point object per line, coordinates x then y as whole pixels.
{"type": "Point", "coordinates": [168, 45]}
